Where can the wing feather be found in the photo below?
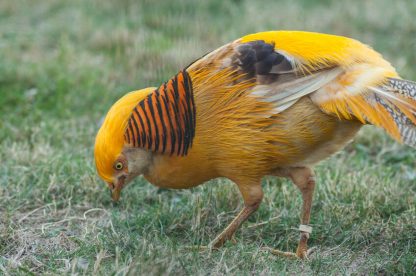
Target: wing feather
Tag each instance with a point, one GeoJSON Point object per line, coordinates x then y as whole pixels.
{"type": "Point", "coordinates": [284, 94]}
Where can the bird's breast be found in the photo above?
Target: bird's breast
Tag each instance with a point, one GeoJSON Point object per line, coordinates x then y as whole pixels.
{"type": "Point", "coordinates": [180, 172]}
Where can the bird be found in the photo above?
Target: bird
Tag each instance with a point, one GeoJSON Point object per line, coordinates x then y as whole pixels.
{"type": "Point", "coordinates": [272, 103]}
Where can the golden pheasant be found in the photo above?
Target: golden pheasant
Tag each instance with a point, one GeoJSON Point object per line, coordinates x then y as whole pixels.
{"type": "Point", "coordinates": [271, 103]}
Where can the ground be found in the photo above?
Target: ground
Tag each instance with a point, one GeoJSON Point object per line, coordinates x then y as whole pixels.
{"type": "Point", "coordinates": [62, 65]}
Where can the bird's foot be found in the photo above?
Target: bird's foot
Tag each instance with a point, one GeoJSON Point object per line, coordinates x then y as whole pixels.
{"type": "Point", "coordinates": [300, 253]}
{"type": "Point", "coordinates": [215, 244]}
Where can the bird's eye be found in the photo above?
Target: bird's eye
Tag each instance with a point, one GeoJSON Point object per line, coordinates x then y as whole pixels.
{"type": "Point", "coordinates": [118, 166]}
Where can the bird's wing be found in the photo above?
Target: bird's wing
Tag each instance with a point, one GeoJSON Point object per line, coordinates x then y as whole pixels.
{"type": "Point", "coordinates": [278, 65]}
{"type": "Point", "coordinates": [280, 78]}
{"type": "Point", "coordinates": [269, 73]}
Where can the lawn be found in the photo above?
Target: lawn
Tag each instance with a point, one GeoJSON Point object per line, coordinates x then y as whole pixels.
{"type": "Point", "coordinates": [63, 64]}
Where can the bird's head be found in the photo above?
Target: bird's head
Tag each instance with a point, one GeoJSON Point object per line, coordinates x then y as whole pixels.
{"type": "Point", "coordinates": [117, 163]}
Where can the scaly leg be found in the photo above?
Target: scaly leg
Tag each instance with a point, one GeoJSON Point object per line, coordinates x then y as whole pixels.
{"type": "Point", "coordinates": [304, 179]}
{"type": "Point", "coordinates": [252, 195]}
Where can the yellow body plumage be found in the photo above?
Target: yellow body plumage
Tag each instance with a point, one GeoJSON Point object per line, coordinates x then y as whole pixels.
{"type": "Point", "coordinates": [243, 135]}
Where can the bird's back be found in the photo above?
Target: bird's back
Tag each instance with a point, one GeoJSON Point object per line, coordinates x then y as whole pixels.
{"type": "Point", "coordinates": [287, 99]}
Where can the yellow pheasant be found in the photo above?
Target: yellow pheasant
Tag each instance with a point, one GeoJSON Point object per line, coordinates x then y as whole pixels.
{"type": "Point", "coordinates": [271, 103]}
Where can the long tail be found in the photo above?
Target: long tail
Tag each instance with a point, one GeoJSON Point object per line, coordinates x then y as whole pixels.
{"type": "Point", "coordinates": [391, 106]}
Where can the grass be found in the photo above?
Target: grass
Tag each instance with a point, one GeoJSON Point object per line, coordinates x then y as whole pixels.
{"type": "Point", "coordinates": [62, 65]}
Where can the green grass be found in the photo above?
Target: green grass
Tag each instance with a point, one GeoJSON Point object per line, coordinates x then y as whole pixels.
{"type": "Point", "coordinates": [62, 65]}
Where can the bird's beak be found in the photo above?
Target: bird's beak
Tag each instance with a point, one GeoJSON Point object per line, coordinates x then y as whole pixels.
{"type": "Point", "coordinates": [118, 186]}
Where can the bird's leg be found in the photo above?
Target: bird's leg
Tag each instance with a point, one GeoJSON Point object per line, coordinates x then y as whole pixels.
{"type": "Point", "coordinates": [252, 196]}
{"type": "Point", "coordinates": [304, 179]}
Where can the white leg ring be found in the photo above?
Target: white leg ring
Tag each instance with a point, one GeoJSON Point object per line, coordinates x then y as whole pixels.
{"type": "Point", "coordinates": [305, 228]}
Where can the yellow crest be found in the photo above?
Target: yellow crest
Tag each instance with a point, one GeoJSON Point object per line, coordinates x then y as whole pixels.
{"type": "Point", "coordinates": [110, 138]}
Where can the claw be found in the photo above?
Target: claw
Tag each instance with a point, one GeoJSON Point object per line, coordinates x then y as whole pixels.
{"type": "Point", "coordinates": [311, 251]}
{"type": "Point", "coordinates": [215, 244]}
{"type": "Point", "coordinates": [304, 255]}
{"type": "Point", "coordinates": [280, 253]}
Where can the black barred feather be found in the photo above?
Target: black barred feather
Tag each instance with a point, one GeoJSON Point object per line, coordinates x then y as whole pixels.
{"type": "Point", "coordinates": [165, 120]}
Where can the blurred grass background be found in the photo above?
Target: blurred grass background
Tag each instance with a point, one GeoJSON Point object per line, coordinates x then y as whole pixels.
{"type": "Point", "coordinates": [63, 64]}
